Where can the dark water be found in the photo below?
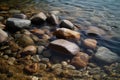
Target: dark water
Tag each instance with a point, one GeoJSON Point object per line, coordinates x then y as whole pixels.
{"type": "Point", "coordinates": [104, 14]}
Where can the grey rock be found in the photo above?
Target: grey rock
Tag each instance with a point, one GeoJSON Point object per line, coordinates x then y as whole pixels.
{"type": "Point", "coordinates": [45, 60]}
{"type": "Point", "coordinates": [67, 24]}
{"type": "Point", "coordinates": [6, 56]}
{"type": "Point", "coordinates": [13, 11]}
{"type": "Point", "coordinates": [15, 23]}
{"type": "Point", "coordinates": [40, 49]}
{"type": "Point", "coordinates": [20, 16]}
{"type": "Point", "coordinates": [1, 18]}
{"type": "Point", "coordinates": [64, 46]}
{"type": "Point", "coordinates": [105, 55]}
{"type": "Point", "coordinates": [55, 66]}
{"type": "Point", "coordinates": [70, 67]}
{"type": "Point", "coordinates": [11, 61]}
{"type": "Point", "coordinates": [38, 18]}
{"type": "Point", "coordinates": [36, 58]}
{"type": "Point", "coordinates": [47, 53]}
{"type": "Point", "coordinates": [52, 19]}
{"type": "Point", "coordinates": [3, 36]}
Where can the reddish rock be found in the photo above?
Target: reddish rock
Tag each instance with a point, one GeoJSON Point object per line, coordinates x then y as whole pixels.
{"type": "Point", "coordinates": [66, 34]}
{"type": "Point", "coordinates": [80, 60]}
{"type": "Point", "coordinates": [91, 43]}
{"type": "Point", "coordinates": [64, 47]}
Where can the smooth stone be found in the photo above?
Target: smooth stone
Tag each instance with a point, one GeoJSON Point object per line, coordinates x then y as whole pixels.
{"type": "Point", "coordinates": [91, 43]}
{"type": "Point", "coordinates": [55, 66]}
{"type": "Point", "coordinates": [64, 63]}
{"type": "Point", "coordinates": [52, 19]}
{"type": "Point", "coordinates": [34, 78]}
{"type": "Point", "coordinates": [80, 60]}
{"type": "Point", "coordinates": [46, 37]}
{"type": "Point", "coordinates": [11, 61]}
{"type": "Point", "coordinates": [1, 18]}
{"type": "Point", "coordinates": [25, 31]}
{"type": "Point", "coordinates": [56, 59]}
{"type": "Point", "coordinates": [14, 11]}
{"type": "Point", "coordinates": [6, 56]}
{"type": "Point", "coordinates": [30, 49]}
{"type": "Point", "coordinates": [105, 55]}
{"type": "Point", "coordinates": [25, 40]}
{"type": "Point", "coordinates": [34, 38]}
{"type": "Point", "coordinates": [16, 24]}
{"type": "Point", "coordinates": [36, 58]}
{"type": "Point", "coordinates": [40, 49]}
{"type": "Point", "coordinates": [47, 54]}
{"type": "Point", "coordinates": [3, 36]}
{"type": "Point", "coordinates": [57, 71]}
{"type": "Point", "coordinates": [45, 60]}
{"type": "Point", "coordinates": [20, 16]}
{"type": "Point", "coordinates": [38, 18]}
{"type": "Point", "coordinates": [2, 26]}
{"type": "Point", "coordinates": [95, 31]}
{"type": "Point", "coordinates": [64, 47]}
{"type": "Point", "coordinates": [66, 34]}
{"type": "Point", "coordinates": [43, 66]}
{"type": "Point", "coordinates": [37, 31]}
{"type": "Point", "coordinates": [70, 67]}
{"type": "Point", "coordinates": [66, 24]}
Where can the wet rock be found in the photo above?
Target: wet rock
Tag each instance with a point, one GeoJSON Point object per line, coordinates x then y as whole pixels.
{"type": "Point", "coordinates": [80, 60]}
{"type": "Point", "coordinates": [67, 24]}
{"type": "Point", "coordinates": [20, 16]}
{"type": "Point", "coordinates": [64, 63]}
{"type": "Point", "coordinates": [37, 31]}
{"type": "Point", "coordinates": [13, 11]}
{"type": "Point", "coordinates": [66, 34]}
{"type": "Point", "coordinates": [38, 18]}
{"type": "Point", "coordinates": [91, 43]}
{"type": "Point", "coordinates": [95, 31]}
{"type": "Point", "coordinates": [57, 71]}
{"type": "Point", "coordinates": [25, 31]}
{"type": "Point", "coordinates": [33, 68]}
{"type": "Point", "coordinates": [16, 24]}
{"type": "Point", "coordinates": [6, 56]}
{"type": "Point", "coordinates": [4, 7]}
{"type": "Point", "coordinates": [43, 66]}
{"type": "Point", "coordinates": [25, 40]}
{"type": "Point", "coordinates": [55, 66]}
{"type": "Point", "coordinates": [47, 54]}
{"type": "Point", "coordinates": [13, 46]}
{"type": "Point", "coordinates": [3, 36]}
{"type": "Point", "coordinates": [52, 19]}
{"type": "Point", "coordinates": [64, 46]}
{"type": "Point", "coordinates": [105, 55]}
{"type": "Point", "coordinates": [30, 50]}
{"type": "Point", "coordinates": [43, 42]}
{"type": "Point", "coordinates": [40, 49]}
{"type": "Point", "coordinates": [70, 67]}
{"type": "Point", "coordinates": [36, 58]}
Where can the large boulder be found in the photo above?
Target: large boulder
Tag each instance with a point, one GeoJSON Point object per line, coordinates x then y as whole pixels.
{"type": "Point", "coordinates": [67, 24]}
{"type": "Point", "coordinates": [66, 34]}
{"type": "Point", "coordinates": [38, 18]}
{"type": "Point", "coordinates": [105, 55]}
{"type": "Point", "coordinates": [52, 19]}
{"type": "Point", "coordinates": [80, 60]}
{"type": "Point", "coordinates": [14, 24]}
{"type": "Point", "coordinates": [64, 47]}
{"type": "Point", "coordinates": [3, 36]}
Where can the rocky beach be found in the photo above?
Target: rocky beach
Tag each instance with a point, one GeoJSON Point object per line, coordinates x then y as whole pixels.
{"type": "Point", "coordinates": [40, 45]}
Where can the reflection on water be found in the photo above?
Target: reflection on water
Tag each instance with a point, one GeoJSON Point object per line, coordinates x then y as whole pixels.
{"type": "Point", "coordinates": [102, 13]}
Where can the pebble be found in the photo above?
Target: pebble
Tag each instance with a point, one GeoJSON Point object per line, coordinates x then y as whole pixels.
{"type": "Point", "coordinates": [70, 67]}
{"type": "Point", "coordinates": [47, 54]}
{"type": "Point", "coordinates": [1, 18]}
{"type": "Point", "coordinates": [56, 66]}
{"type": "Point", "coordinates": [3, 36]}
{"type": "Point", "coordinates": [45, 60]}
{"type": "Point", "coordinates": [40, 49]}
{"type": "Point", "coordinates": [43, 66]}
{"type": "Point", "coordinates": [6, 56]}
{"type": "Point", "coordinates": [66, 24]}
{"type": "Point", "coordinates": [36, 58]}
{"type": "Point", "coordinates": [2, 26]}
{"type": "Point", "coordinates": [20, 16]}
{"type": "Point", "coordinates": [11, 61]}
{"type": "Point", "coordinates": [34, 78]}
{"type": "Point", "coordinates": [64, 63]}
{"type": "Point", "coordinates": [13, 11]}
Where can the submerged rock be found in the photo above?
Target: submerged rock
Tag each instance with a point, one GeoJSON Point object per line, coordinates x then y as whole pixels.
{"type": "Point", "coordinates": [80, 60]}
{"type": "Point", "coordinates": [66, 34]}
{"type": "Point", "coordinates": [52, 19]}
{"type": "Point", "coordinates": [3, 36]}
{"type": "Point", "coordinates": [67, 24]}
{"type": "Point", "coordinates": [91, 43]}
{"type": "Point", "coordinates": [38, 18]}
{"type": "Point", "coordinates": [64, 46]}
{"type": "Point", "coordinates": [105, 55]}
{"type": "Point", "coordinates": [14, 24]}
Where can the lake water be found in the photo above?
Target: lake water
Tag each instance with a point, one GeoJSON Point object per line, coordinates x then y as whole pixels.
{"type": "Point", "coordinates": [104, 14]}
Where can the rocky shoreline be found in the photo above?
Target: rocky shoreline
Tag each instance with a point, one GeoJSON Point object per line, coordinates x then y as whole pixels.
{"type": "Point", "coordinates": [41, 46]}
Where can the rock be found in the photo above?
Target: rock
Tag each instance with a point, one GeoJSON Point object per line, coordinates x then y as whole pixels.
{"type": "Point", "coordinates": [20, 16]}
{"type": "Point", "coordinates": [11, 61]}
{"type": "Point", "coordinates": [40, 49]}
{"type": "Point", "coordinates": [64, 46]}
{"type": "Point", "coordinates": [55, 66]}
{"type": "Point", "coordinates": [64, 63]}
{"type": "Point", "coordinates": [66, 24]}
{"type": "Point", "coordinates": [57, 71]}
{"type": "Point", "coordinates": [42, 66]}
{"type": "Point", "coordinates": [34, 78]}
{"type": "Point", "coordinates": [94, 31]}
{"type": "Point", "coordinates": [47, 54]}
{"type": "Point", "coordinates": [70, 67]}
{"type": "Point", "coordinates": [52, 19]}
{"type": "Point", "coordinates": [30, 50]}
{"type": "Point", "coordinates": [33, 68]}
{"type": "Point", "coordinates": [45, 60]}
{"type": "Point", "coordinates": [91, 43]}
{"type": "Point", "coordinates": [25, 40]}
{"type": "Point", "coordinates": [1, 18]}
{"type": "Point", "coordinates": [16, 24]}
{"type": "Point", "coordinates": [38, 18]}
{"type": "Point", "coordinates": [2, 26]}
{"type": "Point", "coordinates": [36, 58]}
{"type": "Point", "coordinates": [6, 56]}
{"type": "Point", "coordinates": [46, 37]}
{"type": "Point", "coordinates": [13, 11]}
{"type": "Point", "coordinates": [80, 60]}
{"type": "Point", "coordinates": [105, 55]}
{"type": "Point", "coordinates": [26, 32]}
{"type": "Point", "coordinates": [3, 36]}
{"type": "Point", "coordinates": [37, 31]}
{"type": "Point", "coordinates": [66, 34]}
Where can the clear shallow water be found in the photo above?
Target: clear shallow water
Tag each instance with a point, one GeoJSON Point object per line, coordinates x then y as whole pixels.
{"type": "Point", "coordinates": [101, 13]}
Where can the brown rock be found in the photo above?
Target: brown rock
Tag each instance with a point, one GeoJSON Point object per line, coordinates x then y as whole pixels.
{"type": "Point", "coordinates": [32, 68]}
{"type": "Point", "coordinates": [2, 26]}
{"type": "Point", "coordinates": [80, 60]}
{"type": "Point", "coordinates": [30, 49]}
{"type": "Point", "coordinates": [66, 24]}
{"type": "Point", "coordinates": [91, 43]}
{"type": "Point", "coordinates": [67, 34]}
{"type": "Point", "coordinates": [3, 36]}
{"type": "Point", "coordinates": [37, 31]}
{"type": "Point", "coordinates": [64, 46]}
